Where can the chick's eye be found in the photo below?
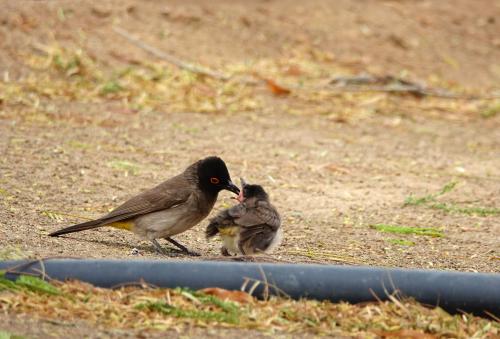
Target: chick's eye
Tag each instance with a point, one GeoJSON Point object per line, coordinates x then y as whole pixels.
{"type": "Point", "coordinates": [214, 181]}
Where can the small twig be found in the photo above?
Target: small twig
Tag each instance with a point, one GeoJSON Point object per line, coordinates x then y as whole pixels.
{"type": "Point", "coordinates": [44, 275]}
{"type": "Point", "coordinates": [266, 284]}
{"type": "Point", "coordinates": [25, 273]}
{"type": "Point", "coordinates": [59, 323]}
{"type": "Point", "coordinates": [394, 295]}
{"type": "Point", "coordinates": [278, 290]}
{"type": "Point", "coordinates": [372, 292]}
{"type": "Point", "coordinates": [392, 84]}
{"type": "Point", "coordinates": [38, 47]}
{"type": "Point", "coordinates": [492, 316]}
{"type": "Point", "coordinates": [419, 92]}
{"type": "Point", "coordinates": [170, 58]}
{"type": "Point", "coordinates": [21, 266]}
{"type": "Point", "coordinates": [254, 287]}
{"type": "Point", "coordinates": [387, 83]}
{"type": "Point", "coordinates": [142, 284]}
{"type": "Point", "coordinates": [26, 265]}
{"type": "Point", "coordinates": [169, 300]}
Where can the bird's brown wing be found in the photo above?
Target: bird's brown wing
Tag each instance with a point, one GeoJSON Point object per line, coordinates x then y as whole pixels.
{"type": "Point", "coordinates": [256, 238]}
{"type": "Point", "coordinates": [168, 194]}
{"type": "Point", "coordinates": [224, 219]}
{"type": "Point", "coordinates": [237, 211]}
{"type": "Point", "coordinates": [263, 213]}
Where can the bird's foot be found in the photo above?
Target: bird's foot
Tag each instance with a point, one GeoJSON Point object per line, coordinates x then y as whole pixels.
{"type": "Point", "coordinates": [158, 248]}
{"type": "Point", "coordinates": [244, 258]}
{"type": "Point", "coordinates": [182, 249]}
{"type": "Point", "coordinates": [186, 252]}
{"type": "Point", "coordinates": [225, 252]}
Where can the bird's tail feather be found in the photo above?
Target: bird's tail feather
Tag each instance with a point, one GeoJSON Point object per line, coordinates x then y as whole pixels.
{"type": "Point", "coordinates": [79, 227]}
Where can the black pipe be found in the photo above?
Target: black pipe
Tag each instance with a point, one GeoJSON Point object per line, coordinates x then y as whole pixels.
{"type": "Point", "coordinates": [476, 293]}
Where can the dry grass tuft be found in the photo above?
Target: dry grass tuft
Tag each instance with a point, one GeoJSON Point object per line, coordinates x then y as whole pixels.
{"type": "Point", "coordinates": [72, 75]}
{"type": "Point", "coordinates": [161, 309]}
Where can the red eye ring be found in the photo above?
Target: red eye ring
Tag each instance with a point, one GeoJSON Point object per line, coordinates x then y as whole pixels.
{"type": "Point", "coordinates": [214, 181]}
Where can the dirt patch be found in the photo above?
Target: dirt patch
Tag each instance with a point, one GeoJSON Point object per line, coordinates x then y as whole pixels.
{"type": "Point", "coordinates": [330, 182]}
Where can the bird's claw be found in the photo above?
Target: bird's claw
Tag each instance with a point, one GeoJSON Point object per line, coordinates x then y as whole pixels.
{"type": "Point", "coordinates": [193, 254]}
{"type": "Point", "coordinates": [158, 249]}
{"type": "Point", "coordinates": [225, 252]}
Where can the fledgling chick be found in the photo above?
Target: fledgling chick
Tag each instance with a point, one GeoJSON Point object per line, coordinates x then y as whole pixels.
{"type": "Point", "coordinates": [251, 227]}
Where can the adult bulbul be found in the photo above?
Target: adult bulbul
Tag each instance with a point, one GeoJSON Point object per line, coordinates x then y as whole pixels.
{"type": "Point", "coordinates": [170, 208]}
{"type": "Point", "coordinates": [251, 227]}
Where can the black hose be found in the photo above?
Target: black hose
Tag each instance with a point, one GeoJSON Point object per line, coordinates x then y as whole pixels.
{"type": "Point", "coordinates": [476, 293]}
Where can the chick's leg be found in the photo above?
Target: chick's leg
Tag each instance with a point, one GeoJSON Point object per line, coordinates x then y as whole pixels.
{"type": "Point", "coordinates": [224, 251]}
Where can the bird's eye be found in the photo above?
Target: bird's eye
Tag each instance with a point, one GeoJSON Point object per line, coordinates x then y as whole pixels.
{"type": "Point", "coordinates": [214, 181]}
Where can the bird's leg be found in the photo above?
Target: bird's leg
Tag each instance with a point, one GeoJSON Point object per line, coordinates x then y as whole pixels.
{"type": "Point", "coordinates": [158, 247]}
{"type": "Point", "coordinates": [225, 252]}
{"type": "Point", "coordinates": [182, 247]}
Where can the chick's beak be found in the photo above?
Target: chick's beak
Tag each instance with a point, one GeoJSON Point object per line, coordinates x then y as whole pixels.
{"type": "Point", "coordinates": [232, 187]}
{"type": "Point", "coordinates": [240, 197]}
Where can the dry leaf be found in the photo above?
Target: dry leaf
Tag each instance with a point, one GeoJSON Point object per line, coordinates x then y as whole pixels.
{"type": "Point", "coordinates": [406, 334]}
{"type": "Point", "coordinates": [124, 58]}
{"type": "Point", "coordinates": [109, 123]}
{"type": "Point", "coordinates": [275, 88]}
{"type": "Point", "coordinates": [245, 21]}
{"type": "Point", "coordinates": [336, 168]}
{"type": "Point", "coordinates": [223, 294]}
{"type": "Point", "coordinates": [100, 12]}
{"type": "Point", "coordinates": [205, 90]}
{"type": "Point", "coordinates": [293, 70]}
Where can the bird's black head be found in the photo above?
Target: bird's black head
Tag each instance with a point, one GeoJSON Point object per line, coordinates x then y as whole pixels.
{"type": "Point", "coordinates": [252, 191]}
{"type": "Point", "coordinates": [213, 176]}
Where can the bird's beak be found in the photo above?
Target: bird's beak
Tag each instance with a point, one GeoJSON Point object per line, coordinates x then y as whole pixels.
{"type": "Point", "coordinates": [232, 187]}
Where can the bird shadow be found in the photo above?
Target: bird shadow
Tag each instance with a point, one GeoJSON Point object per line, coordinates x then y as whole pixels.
{"type": "Point", "coordinates": [146, 248]}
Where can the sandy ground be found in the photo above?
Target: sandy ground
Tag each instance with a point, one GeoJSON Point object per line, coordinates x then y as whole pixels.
{"type": "Point", "coordinates": [331, 180]}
